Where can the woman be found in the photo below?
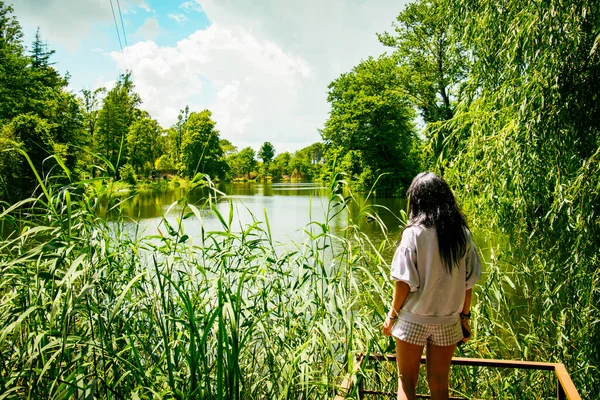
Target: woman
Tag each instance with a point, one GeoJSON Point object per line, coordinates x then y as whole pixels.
{"type": "Point", "coordinates": [434, 268]}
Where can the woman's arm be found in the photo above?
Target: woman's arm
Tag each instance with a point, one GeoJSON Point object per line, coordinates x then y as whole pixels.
{"type": "Point", "coordinates": [401, 290]}
{"type": "Point", "coordinates": [465, 316]}
{"type": "Point", "coordinates": [467, 304]}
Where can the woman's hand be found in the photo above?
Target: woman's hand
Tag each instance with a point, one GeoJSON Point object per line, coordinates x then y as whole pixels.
{"type": "Point", "coordinates": [466, 328]}
{"type": "Point", "coordinates": [388, 325]}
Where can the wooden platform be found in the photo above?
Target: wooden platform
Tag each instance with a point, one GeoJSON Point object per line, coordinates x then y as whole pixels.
{"type": "Point", "coordinates": [565, 388]}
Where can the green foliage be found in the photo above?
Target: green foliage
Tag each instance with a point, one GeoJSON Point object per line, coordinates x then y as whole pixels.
{"type": "Point", "coordinates": [224, 315]}
{"type": "Point", "coordinates": [119, 110]}
{"type": "Point", "coordinates": [176, 134]}
{"type": "Point", "coordinates": [280, 165]}
{"type": "Point", "coordinates": [200, 147]}
{"type": "Point", "coordinates": [12, 166]}
{"type": "Point", "coordinates": [227, 147]}
{"type": "Point", "coordinates": [164, 163]}
{"type": "Point", "coordinates": [143, 141]}
{"type": "Point", "coordinates": [266, 152]}
{"type": "Point", "coordinates": [242, 163]}
{"type": "Point", "coordinates": [524, 146]}
{"type": "Point", "coordinates": [39, 53]}
{"type": "Point", "coordinates": [31, 134]}
{"type": "Point", "coordinates": [302, 165]}
{"type": "Point", "coordinates": [37, 115]}
{"type": "Point", "coordinates": [371, 116]}
{"type": "Point", "coordinates": [127, 174]}
{"type": "Point", "coordinates": [13, 66]}
{"type": "Point", "coordinates": [432, 63]}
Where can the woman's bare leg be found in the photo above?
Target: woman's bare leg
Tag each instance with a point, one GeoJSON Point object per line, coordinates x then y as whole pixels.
{"type": "Point", "coordinates": [408, 360]}
{"type": "Point", "coordinates": [438, 370]}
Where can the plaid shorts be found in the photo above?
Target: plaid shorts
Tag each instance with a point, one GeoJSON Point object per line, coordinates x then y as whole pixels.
{"type": "Point", "coordinates": [419, 334]}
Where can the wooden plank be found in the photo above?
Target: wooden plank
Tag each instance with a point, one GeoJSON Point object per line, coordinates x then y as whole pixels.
{"type": "Point", "coordinates": [394, 394]}
{"type": "Point", "coordinates": [479, 362]}
{"type": "Point", "coordinates": [566, 384]}
{"type": "Point", "coordinates": [566, 388]}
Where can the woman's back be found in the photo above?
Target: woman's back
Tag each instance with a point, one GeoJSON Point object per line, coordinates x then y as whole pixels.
{"type": "Point", "coordinates": [436, 296]}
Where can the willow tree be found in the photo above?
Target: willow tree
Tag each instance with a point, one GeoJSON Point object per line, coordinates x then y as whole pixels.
{"type": "Point", "coordinates": [529, 157]}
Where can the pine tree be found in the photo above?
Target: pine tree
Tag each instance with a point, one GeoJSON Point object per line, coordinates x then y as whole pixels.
{"type": "Point", "coordinates": [39, 53]}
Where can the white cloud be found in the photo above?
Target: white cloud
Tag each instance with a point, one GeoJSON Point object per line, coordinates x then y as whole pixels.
{"type": "Point", "coordinates": [179, 18]}
{"type": "Point", "coordinates": [142, 4]}
{"type": "Point", "coordinates": [149, 30]}
{"type": "Point", "coordinates": [191, 6]}
{"type": "Point", "coordinates": [331, 36]}
{"type": "Point", "coordinates": [69, 22]}
{"type": "Point", "coordinates": [65, 22]}
{"type": "Point", "coordinates": [256, 84]}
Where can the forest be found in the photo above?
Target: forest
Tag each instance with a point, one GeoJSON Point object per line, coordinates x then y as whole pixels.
{"type": "Point", "coordinates": [500, 98]}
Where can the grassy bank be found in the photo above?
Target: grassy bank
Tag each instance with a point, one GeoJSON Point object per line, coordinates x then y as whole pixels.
{"type": "Point", "coordinates": [111, 188]}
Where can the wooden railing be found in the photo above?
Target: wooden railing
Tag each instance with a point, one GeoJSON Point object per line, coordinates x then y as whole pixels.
{"type": "Point", "coordinates": [565, 388]}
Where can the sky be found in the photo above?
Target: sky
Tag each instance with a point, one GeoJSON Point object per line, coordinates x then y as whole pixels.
{"type": "Point", "coordinates": [260, 66]}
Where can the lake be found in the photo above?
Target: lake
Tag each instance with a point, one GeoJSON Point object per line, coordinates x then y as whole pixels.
{"type": "Point", "coordinates": [290, 208]}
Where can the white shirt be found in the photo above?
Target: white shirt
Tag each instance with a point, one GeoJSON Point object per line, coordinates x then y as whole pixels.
{"type": "Point", "coordinates": [435, 297]}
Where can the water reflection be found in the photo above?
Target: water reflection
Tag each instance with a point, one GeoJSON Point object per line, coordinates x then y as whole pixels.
{"type": "Point", "coordinates": [290, 207]}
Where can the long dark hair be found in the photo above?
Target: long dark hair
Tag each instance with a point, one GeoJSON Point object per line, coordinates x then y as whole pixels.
{"type": "Point", "coordinates": [432, 204]}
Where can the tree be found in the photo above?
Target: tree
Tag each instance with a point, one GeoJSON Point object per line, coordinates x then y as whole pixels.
{"type": "Point", "coordinates": [14, 75]}
{"type": "Point", "coordinates": [280, 165]}
{"type": "Point", "coordinates": [119, 111]}
{"type": "Point", "coordinates": [369, 115]}
{"type": "Point", "coordinates": [143, 142]}
{"type": "Point", "coordinates": [13, 168]}
{"type": "Point", "coordinates": [176, 134]}
{"type": "Point", "coordinates": [127, 174]}
{"type": "Point", "coordinates": [432, 62]}
{"type": "Point", "coordinates": [66, 117]}
{"type": "Point", "coordinates": [90, 103]}
{"type": "Point", "coordinates": [316, 152]}
{"type": "Point", "coordinates": [301, 165]}
{"type": "Point", "coordinates": [164, 163]}
{"type": "Point", "coordinates": [266, 152]}
{"type": "Point", "coordinates": [39, 52]}
{"type": "Point", "coordinates": [200, 149]}
{"type": "Point", "coordinates": [31, 134]}
{"type": "Point", "coordinates": [91, 107]}
{"type": "Point", "coordinates": [39, 115]}
{"type": "Point", "coordinates": [228, 147]}
{"type": "Point", "coordinates": [242, 163]}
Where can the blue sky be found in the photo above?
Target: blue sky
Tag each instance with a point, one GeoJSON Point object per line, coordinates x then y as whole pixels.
{"type": "Point", "coordinates": [164, 22]}
{"type": "Point", "coordinates": [262, 67]}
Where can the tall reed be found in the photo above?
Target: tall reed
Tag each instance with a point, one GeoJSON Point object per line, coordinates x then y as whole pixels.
{"type": "Point", "coordinates": [92, 309]}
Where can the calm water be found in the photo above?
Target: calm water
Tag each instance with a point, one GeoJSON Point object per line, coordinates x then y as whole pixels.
{"type": "Point", "coordinates": [290, 208]}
